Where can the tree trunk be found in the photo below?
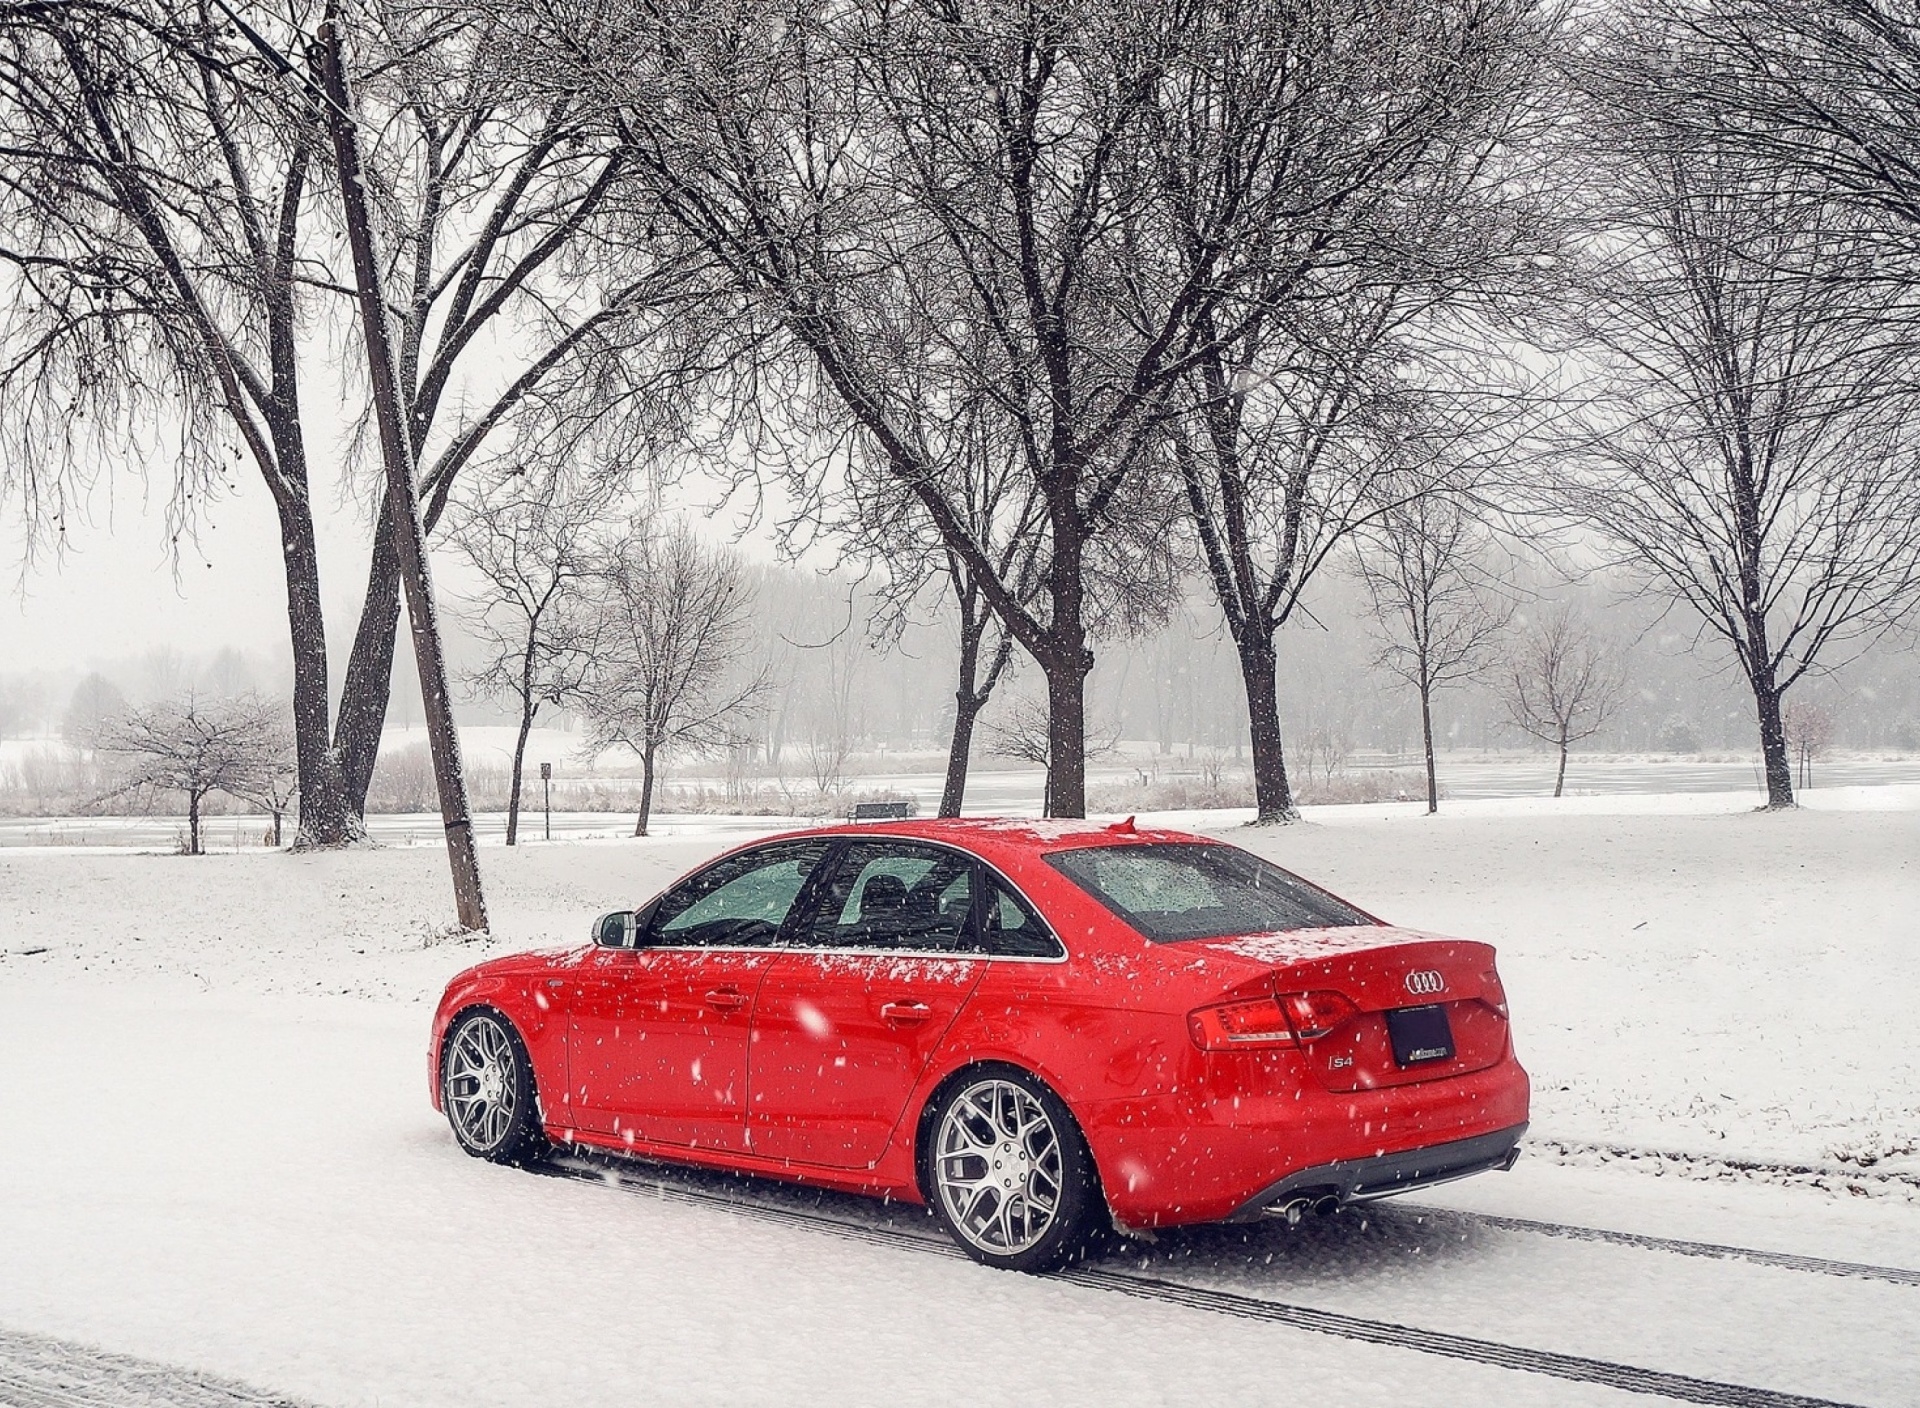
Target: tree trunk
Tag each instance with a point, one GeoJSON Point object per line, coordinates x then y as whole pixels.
{"type": "Point", "coordinates": [1272, 790]}
{"type": "Point", "coordinates": [409, 537]}
{"type": "Point", "coordinates": [276, 830]}
{"type": "Point", "coordinates": [959, 752]}
{"type": "Point", "coordinates": [1560, 778]}
{"type": "Point", "coordinates": [519, 761]}
{"type": "Point", "coordinates": [369, 681]}
{"type": "Point", "coordinates": [326, 820]}
{"type": "Point", "coordinates": [646, 792]}
{"type": "Point", "coordinates": [968, 700]}
{"type": "Point", "coordinates": [1773, 743]}
{"type": "Point", "coordinates": [1067, 666]}
{"type": "Point", "coordinates": [1066, 740]}
{"type": "Point", "coordinates": [193, 823]}
{"type": "Point", "coordinates": [1426, 737]}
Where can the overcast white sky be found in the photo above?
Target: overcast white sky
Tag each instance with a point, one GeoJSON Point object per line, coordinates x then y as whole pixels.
{"type": "Point", "coordinates": [118, 591]}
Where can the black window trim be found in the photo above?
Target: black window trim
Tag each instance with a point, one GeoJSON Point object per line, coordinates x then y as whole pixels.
{"type": "Point", "coordinates": [806, 904]}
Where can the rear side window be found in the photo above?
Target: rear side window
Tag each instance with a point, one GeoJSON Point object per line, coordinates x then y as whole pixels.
{"type": "Point", "coordinates": [1013, 930]}
{"type": "Point", "coordinates": [1171, 891]}
{"type": "Point", "coordinates": [895, 895]}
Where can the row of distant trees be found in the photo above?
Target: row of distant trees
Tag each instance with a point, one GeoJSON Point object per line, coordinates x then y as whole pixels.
{"type": "Point", "coordinates": [1037, 304]}
{"type": "Point", "coordinates": [643, 632]}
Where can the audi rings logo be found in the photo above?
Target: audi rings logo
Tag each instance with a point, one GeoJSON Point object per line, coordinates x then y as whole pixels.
{"type": "Point", "coordinates": [1425, 982]}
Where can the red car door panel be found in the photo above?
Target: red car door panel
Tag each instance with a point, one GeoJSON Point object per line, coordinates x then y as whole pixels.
{"type": "Point", "coordinates": [659, 1036]}
{"type": "Point", "coordinates": [839, 1040]}
{"type": "Point", "coordinates": [843, 1031]}
{"type": "Point", "coordinates": [660, 1046]}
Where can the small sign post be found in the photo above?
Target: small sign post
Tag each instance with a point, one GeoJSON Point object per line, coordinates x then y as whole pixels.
{"type": "Point", "coordinates": [546, 794]}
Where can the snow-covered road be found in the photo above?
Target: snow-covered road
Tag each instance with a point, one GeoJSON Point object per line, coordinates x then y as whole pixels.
{"type": "Point", "coordinates": [218, 1157]}
{"type": "Point", "coordinates": [258, 1190]}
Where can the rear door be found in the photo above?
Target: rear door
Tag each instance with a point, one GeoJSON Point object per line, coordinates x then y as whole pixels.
{"type": "Point", "coordinates": [844, 1028]}
{"type": "Point", "coordinates": [658, 1039]}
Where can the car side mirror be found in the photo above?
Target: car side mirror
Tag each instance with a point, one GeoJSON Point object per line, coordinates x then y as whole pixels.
{"type": "Point", "coordinates": [616, 930]}
{"type": "Point", "coordinates": [625, 928]}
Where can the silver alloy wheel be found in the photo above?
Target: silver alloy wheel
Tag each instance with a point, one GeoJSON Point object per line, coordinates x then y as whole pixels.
{"type": "Point", "coordinates": [481, 1094]}
{"type": "Point", "coordinates": [998, 1166]}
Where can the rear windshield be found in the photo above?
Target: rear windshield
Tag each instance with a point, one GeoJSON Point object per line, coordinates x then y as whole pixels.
{"type": "Point", "coordinates": [1171, 891]}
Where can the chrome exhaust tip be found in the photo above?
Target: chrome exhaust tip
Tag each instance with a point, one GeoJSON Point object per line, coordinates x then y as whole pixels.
{"type": "Point", "coordinates": [1293, 1209]}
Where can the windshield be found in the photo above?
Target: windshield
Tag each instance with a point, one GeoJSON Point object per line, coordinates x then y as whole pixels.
{"type": "Point", "coordinates": [1171, 891]}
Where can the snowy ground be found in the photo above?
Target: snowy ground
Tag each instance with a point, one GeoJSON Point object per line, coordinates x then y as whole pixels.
{"type": "Point", "coordinates": [220, 1155]}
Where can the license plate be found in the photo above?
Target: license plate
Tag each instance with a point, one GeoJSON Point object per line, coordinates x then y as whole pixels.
{"type": "Point", "coordinates": [1420, 1034]}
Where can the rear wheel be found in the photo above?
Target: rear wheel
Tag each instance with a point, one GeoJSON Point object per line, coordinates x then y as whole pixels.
{"type": "Point", "coordinates": [1008, 1172]}
{"type": "Point", "coordinates": [487, 1089]}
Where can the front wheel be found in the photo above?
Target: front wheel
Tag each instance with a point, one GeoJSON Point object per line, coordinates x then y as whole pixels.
{"type": "Point", "coordinates": [1008, 1172]}
{"type": "Point", "coordinates": [487, 1088]}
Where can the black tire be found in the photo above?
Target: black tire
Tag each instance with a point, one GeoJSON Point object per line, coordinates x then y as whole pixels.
{"type": "Point", "coordinates": [995, 1144]}
{"type": "Point", "coordinates": [488, 1091]}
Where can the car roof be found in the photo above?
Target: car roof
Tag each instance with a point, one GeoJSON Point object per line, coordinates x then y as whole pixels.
{"type": "Point", "coordinates": [1024, 834]}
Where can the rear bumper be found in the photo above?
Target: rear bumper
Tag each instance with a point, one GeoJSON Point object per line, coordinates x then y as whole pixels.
{"type": "Point", "coordinates": [1220, 1152]}
{"type": "Point", "coordinates": [1356, 1180]}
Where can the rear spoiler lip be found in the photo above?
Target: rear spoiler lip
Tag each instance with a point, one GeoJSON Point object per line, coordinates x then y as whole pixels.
{"type": "Point", "coordinates": [1306, 948]}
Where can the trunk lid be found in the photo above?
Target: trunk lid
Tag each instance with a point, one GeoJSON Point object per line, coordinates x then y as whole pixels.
{"type": "Point", "coordinates": [1382, 970]}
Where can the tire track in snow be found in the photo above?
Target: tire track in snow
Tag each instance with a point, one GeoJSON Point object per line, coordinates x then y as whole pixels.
{"type": "Point", "coordinates": [1579, 1153]}
{"type": "Point", "coordinates": [38, 1371]}
{"type": "Point", "coordinates": [1684, 1388]}
{"type": "Point", "coordinates": [1790, 1261]}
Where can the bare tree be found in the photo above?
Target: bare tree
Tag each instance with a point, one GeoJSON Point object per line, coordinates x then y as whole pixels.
{"type": "Point", "coordinates": [529, 542]}
{"type": "Point", "coordinates": [195, 747]}
{"type": "Point", "coordinates": [511, 326]}
{"type": "Point", "coordinates": [156, 204]}
{"type": "Point", "coordinates": [1021, 732]}
{"type": "Point", "coordinates": [275, 779]}
{"type": "Point", "coordinates": [1439, 619]}
{"type": "Point", "coordinates": [1563, 684]}
{"type": "Point", "coordinates": [1747, 444]}
{"type": "Point", "coordinates": [994, 172]}
{"type": "Point", "coordinates": [674, 614]}
{"type": "Point", "coordinates": [1809, 730]}
{"type": "Point", "coordinates": [1278, 445]}
{"type": "Point", "coordinates": [882, 521]}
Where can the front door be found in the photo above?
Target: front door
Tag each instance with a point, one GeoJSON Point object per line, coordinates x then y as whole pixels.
{"type": "Point", "coordinates": [658, 1036]}
{"type": "Point", "coordinates": [844, 1028]}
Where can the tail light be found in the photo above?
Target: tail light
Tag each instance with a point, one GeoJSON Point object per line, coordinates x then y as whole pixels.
{"type": "Point", "coordinates": [1290, 1019]}
{"type": "Point", "coordinates": [1492, 992]}
{"type": "Point", "coordinates": [1314, 1014]}
{"type": "Point", "coordinates": [1258, 1021]}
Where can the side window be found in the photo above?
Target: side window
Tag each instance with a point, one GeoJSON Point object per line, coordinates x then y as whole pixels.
{"type": "Point", "coordinates": [1013, 929]}
{"type": "Point", "coordinates": [738, 902]}
{"type": "Point", "coordinates": [896, 895]}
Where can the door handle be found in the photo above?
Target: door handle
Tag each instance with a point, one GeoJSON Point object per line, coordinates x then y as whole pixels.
{"type": "Point", "coordinates": [905, 1013]}
{"type": "Point", "coordinates": [727, 999]}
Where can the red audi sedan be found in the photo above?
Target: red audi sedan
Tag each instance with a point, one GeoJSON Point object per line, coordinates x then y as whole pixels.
{"type": "Point", "coordinates": [1035, 1027]}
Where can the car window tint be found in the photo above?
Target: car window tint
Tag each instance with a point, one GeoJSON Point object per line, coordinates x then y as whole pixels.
{"type": "Point", "coordinates": [896, 895]}
{"type": "Point", "coordinates": [737, 902]}
{"type": "Point", "coordinates": [1013, 929]}
{"type": "Point", "coordinates": [1171, 891]}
